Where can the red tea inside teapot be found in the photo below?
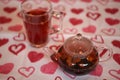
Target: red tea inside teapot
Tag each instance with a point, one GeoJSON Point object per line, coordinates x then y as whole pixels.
{"type": "Point", "coordinates": [77, 55]}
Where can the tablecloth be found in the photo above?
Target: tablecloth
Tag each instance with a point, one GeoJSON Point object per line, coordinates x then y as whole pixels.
{"type": "Point", "coordinates": [98, 20]}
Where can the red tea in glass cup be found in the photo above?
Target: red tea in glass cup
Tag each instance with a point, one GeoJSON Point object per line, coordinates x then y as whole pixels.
{"type": "Point", "coordinates": [37, 15]}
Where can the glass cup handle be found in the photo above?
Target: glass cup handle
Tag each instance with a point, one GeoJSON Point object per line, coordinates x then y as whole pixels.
{"type": "Point", "coordinates": [58, 16]}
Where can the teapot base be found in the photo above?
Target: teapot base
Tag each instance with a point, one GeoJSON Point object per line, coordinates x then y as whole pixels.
{"type": "Point", "coordinates": [77, 72]}
{"type": "Point", "coordinates": [78, 66]}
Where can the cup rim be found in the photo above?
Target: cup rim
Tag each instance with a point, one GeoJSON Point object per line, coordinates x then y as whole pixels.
{"type": "Point", "coordinates": [49, 11]}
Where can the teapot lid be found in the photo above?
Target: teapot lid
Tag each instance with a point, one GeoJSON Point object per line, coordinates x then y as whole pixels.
{"type": "Point", "coordinates": [78, 46]}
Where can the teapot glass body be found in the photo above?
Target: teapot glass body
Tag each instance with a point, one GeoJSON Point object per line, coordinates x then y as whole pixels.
{"type": "Point", "coordinates": [77, 55]}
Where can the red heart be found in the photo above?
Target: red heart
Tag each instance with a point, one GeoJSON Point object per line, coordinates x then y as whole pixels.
{"type": "Point", "coordinates": [20, 37]}
{"type": "Point", "coordinates": [34, 56]}
{"type": "Point", "coordinates": [0, 55]}
{"type": "Point", "coordinates": [4, 20]}
{"type": "Point", "coordinates": [87, 1]}
{"type": "Point", "coordinates": [98, 39]}
{"type": "Point", "coordinates": [58, 38]}
{"type": "Point", "coordinates": [76, 11]}
{"type": "Point", "coordinates": [9, 9]}
{"type": "Point", "coordinates": [55, 1]}
{"type": "Point", "coordinates": [6, 68]}
{"type": "Point", "coordinates": [112, 22]}
{"type": "Point", "coordinates": [111, 10]}
{"type": "Point", "coordinates": [3, 41]}
{"type": "Point", "coordinates": [75, 21]}
{"type": "Point", "coordinates": [26, 71]}
{"type": "Point", "coordinates": [70, 30]}
{"type": "Point", "coordinates": [93, 16]}
{"type": "Point", "coordinates": [109, 31]}
{"type": "Point", "coordinates": [116, 57]}
{"type": "Point", "coordinates": [17, 27]}
{"type": "Point", "coordinates": [115, 73]}
{"type": "Point", "coordinates": [117, 0]}
{"type": "Point", "coordinates": [5, 1]}
{"type": "Point", "coordinates": [98, 71]}
{"type": "Point", "coordinates": [49, 68]}
{"type": "Point", "coordinates": [16, 48]}
{"type": "Point", "coordinates": [103, 2]}
{"type": "Point", "coordinates": [116, 43]}
{"type": "Point", "coordinates": [90, 29]}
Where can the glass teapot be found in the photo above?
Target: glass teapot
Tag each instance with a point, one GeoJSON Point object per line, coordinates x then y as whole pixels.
{"type": "Point", "coordinates": [77, 56]}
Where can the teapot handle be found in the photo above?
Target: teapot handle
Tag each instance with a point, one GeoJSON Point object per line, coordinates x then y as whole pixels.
{"type": "Point", "coordinates": [55, 56]}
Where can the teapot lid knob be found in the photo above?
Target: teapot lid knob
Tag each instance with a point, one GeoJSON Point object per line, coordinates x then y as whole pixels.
{"type": "Point", "coordinates": [78, 36]}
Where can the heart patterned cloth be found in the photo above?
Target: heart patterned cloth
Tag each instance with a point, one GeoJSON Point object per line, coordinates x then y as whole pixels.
{"type": "Point", "coordinates": [98, 20]}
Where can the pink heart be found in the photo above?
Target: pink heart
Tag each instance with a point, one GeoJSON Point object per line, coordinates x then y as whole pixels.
{"type": "Point", "coordinates": [55, 47]}
{"type": "Point", "coordinates": [49, 68]}
{"type": "Point", "coordinates": [19, 14]}
{"type": "Point", "coordinates": [115, 73]}
{"type": "Point", "coordinates": [9, 9]}
{"type": "Point", "coordinates": [98, 71]}
{"type": "Point", "coordinates": [112, 10]}
{"type": "Point", "coordinates": [98, 39]}
{"type": "Point", "coordinates": [87, 1]}
{"type": "Point", "coordinates": [116, 43]}
{"type": "Point", "coordinates": [92, 7]}
{"type": "Point", "coordinates": [116, 57]}
{"type": "Point", "coordinates": [60, 8]}
{"type": "Point", "coordinates": [77, 11]}
{"type": "Point", "coordinates": [109, 31]}
{"type": "Point", "coordinates": [26, 71]}
{"type": "Point", "coordinates": [17, 27]}
{"type": "Point", "coordinates": [3, 41]}
{"type": "Point", "coordinates": [75, 21]}
{"type": "Point", "coordinates": [89, 29]}
{"type": "Point", "coordinates": [5, 1]}
{"type": "Point", "coordinates": [103, 2]}
{"type": "Point", "coordinates": [70, 2]}
{"type": "Point", "coordinates": [58, 38]}
{"type": "Point", "coordinates": [6, 68]}
{"type": "Point", "coordinates": [4, 20]}
{"type": "Point", "coordinates": [55, 1]}
{"type": "Point", "coordinates": [93, 16]}
{"type": "Point", "coordinates": [16, 48]}
{"type": "Point", "coordinates": [20, 37]}
{"type": "Point", "coordinates": [70, 30]}
{"type": "Point", "coordinates": [112, 22]}
{"type": "Point", "coordinates": [34, 56]}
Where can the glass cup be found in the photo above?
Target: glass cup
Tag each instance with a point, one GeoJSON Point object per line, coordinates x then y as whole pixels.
{"type": "Point", "coordinates": [37, 17]}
